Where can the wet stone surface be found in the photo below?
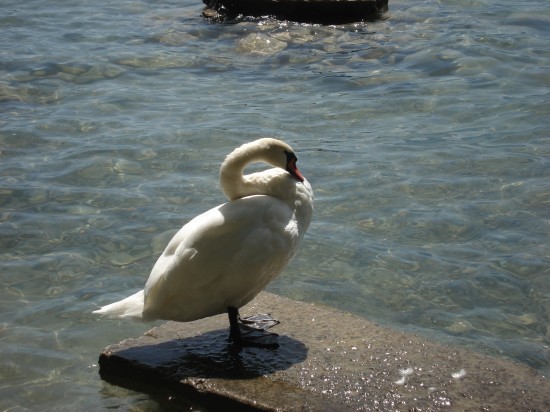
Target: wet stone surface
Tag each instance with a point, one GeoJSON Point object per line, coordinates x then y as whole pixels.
{"type": "Point", "coordinates": [326, 360]}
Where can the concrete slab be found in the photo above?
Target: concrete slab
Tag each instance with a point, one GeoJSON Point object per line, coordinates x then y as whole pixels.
{"type": "Point", "coordinates": [327, 361]}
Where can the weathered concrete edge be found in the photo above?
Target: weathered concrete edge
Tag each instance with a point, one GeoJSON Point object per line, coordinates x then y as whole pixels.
{"type": "Point", "coordinates": [491, 382]}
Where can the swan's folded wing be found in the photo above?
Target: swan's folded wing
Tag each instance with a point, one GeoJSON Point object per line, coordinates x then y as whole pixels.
{"type": "Point", "coordinates": [218, 255]}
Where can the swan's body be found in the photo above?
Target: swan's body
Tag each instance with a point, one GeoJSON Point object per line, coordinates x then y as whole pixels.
{"type": "Point", "coordinates": [224, 257]}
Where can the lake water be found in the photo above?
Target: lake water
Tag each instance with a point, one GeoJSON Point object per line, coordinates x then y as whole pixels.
{"type": "Point", "coordinates": [425, 136]}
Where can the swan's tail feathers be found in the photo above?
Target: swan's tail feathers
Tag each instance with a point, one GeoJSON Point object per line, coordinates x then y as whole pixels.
{"type": "Point", "coordinates": [131, 307]}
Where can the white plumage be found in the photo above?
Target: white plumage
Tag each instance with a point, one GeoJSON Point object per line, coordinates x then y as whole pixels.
{"type": "Point", "coordinates": [224, 257]}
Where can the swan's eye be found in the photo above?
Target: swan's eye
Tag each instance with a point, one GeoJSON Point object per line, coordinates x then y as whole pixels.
{"type": "Point", "coordinates": [290, 161]}
{"type": "Point", "coordinates": [290, 156]}
{"type": "Point", "coordinates": [291, 166]}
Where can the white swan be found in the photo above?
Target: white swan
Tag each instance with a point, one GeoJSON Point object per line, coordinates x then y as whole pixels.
{"type": "Point", "coordinates": [223, 258]}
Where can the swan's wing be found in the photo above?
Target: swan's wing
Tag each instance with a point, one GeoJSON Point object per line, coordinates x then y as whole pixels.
{"type": "Point", "coordinates": [221, 257]}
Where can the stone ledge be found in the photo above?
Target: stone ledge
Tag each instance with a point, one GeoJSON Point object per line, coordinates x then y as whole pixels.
{"type": "Point", "coordinates": [306, 11]}
{"type": "Point", "coordinates": [327, 360]}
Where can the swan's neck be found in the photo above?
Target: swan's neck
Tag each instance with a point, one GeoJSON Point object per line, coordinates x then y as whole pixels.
{"type": "Point", "coordinates": [234, 184]}
{"type": "Point", "coordinates": [274, 182]}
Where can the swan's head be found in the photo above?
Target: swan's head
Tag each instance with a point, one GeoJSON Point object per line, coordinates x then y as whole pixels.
{"type": "Point", "coordinates": [279, 154]}
{"type": "Point", "coordinates": [272, 151]}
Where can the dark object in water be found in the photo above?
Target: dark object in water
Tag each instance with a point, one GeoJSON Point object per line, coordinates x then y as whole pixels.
{"type": "Point", "coordinates": [305, 11]}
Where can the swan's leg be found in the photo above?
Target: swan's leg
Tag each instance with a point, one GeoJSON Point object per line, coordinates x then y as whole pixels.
{"type": "Point", "coordinates": [235, 335]}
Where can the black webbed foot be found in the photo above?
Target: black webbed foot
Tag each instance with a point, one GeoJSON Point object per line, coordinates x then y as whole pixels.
{"type": "Point", "coordinates": [251, 331]}
{"type": "Point", "coordinates": [261, 321]}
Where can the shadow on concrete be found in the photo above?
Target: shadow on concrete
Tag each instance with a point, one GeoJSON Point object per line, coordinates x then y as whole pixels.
{"type": "Point", "coordinates": [190, 360]}
{"type": "Point", "coordinates": [205, 356]}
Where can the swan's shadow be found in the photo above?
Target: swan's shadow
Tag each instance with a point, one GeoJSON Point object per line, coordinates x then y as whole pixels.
{"type": "Point", "coordinates": [204, 356]}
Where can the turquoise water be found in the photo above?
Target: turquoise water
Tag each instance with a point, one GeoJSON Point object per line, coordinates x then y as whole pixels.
{"type": "Point", "coordinates": [425, 137]}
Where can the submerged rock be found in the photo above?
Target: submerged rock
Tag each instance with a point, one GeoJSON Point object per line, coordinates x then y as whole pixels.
{"type": "Point", "coordinates": [307, 11]}
{"type": "Point", "coordinates": [259, 44]}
